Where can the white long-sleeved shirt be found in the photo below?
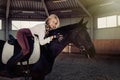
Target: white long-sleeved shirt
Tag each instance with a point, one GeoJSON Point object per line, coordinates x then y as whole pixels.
{"type": "Point", "coordinates": [39, 29]}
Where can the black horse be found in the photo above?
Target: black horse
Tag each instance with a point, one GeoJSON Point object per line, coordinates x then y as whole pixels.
{"type": "Point", "coordinates": [74, 33]}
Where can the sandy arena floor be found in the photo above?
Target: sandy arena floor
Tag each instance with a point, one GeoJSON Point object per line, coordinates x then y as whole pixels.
{"type": "Point", "coordinates": [78, 67]}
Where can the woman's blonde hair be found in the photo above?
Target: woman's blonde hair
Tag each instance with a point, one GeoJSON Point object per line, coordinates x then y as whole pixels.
{"type": "Point", "coordinates": [53, 16]}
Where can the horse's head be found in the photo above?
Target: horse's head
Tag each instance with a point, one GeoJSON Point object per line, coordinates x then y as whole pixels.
{"type": "Point", "coordinates": [78, 35]}
{"type": "Point", "coordinates": [81, 39]}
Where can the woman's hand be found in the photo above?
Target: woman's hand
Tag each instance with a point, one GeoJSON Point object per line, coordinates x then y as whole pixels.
{"type": "Point", "coordinates": [60, 38]}
{"type": "Point", "coordinates": [51, 38]}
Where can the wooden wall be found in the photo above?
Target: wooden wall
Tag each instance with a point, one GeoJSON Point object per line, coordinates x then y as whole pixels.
{"type": "Point", "coordinates": [107, 46]}
{"type": "Point", "coordinates": [102, 46]}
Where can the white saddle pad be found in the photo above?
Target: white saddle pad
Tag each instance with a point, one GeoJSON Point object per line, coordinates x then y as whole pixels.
{"type": "Point", "coordinates": [8, 51]}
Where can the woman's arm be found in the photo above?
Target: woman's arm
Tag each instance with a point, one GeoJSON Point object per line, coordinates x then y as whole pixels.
{"type": "Point", "coordinates": [43, 40]}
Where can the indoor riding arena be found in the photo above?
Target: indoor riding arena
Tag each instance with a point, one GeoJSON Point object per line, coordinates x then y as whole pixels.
{"type": "Point", "coordinates": [86, 45]}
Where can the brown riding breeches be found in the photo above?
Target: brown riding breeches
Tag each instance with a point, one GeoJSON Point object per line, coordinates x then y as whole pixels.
{"type": "Point", "coordinates": [21, 36]}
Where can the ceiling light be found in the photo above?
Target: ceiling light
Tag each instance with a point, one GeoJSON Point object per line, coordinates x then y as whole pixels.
{"type": "Point", "coordinates": [28, 12]}
{"type": "Point", "coordinates": [63, 11]}
{"type": "Point", "coordinates": [105, 4]}
{"type": "Point", "coordinates": [57, 1]}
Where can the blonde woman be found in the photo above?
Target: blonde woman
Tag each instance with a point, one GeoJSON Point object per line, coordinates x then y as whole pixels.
{"type": "Point", "coordinates": [51, 22]}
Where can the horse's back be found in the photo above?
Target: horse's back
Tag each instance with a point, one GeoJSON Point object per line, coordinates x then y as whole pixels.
{"type": "Point", "coordinates": [2, 42]}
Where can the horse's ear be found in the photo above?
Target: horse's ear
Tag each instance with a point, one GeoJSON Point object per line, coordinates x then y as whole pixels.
{"type": "Point", "coordinates": [84, 24]}
{"type": "Point", "coordinates": [81, 21]}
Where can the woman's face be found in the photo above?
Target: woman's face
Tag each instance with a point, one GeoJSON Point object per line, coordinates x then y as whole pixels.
{"type": "Point", "coordinates": [52, 23]}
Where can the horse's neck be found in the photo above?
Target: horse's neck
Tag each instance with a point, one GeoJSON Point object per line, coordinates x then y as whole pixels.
{"type": "Point", "coordinates": [63, 44]}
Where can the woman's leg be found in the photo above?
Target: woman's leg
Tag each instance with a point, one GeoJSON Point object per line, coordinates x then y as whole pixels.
{"type": "Point", "coordinates": [21, 36]}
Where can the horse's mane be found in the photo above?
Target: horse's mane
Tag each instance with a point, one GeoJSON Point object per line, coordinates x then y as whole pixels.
{"type": "Point", "coordinates": [69, 27]}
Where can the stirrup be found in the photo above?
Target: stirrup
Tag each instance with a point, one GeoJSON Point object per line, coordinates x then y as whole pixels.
{"type": "Point", "coordinates": [26, 71]}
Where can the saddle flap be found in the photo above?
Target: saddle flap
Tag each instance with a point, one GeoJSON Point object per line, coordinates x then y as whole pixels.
{"type": "Point", "coordinates": [8, 52]}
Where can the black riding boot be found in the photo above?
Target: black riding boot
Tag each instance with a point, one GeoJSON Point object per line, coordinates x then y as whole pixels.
{"type": "Point", "coordinates": [11, 64]}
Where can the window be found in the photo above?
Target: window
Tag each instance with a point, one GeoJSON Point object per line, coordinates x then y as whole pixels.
{"type": "Point", "coordinates": [112, 21]}
{"type": "Point", "coordinates": [102, 22]}
{"type": "Point", "coordinates": [109, 21]}
{"type": "Point", "coordinates": [119, 20]}
{"type": "Point", "coordinates": [0, 24]}
{"type": "Point", "coordinates": [24, 24]}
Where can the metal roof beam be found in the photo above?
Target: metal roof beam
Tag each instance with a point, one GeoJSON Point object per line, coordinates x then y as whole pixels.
{"type": "Point", "coordinates": [82, 6]}
{"type": "Point", "coordinates": [68, 9]}
{"type": "Point", "coordinates": [22, 9]}
{"type": "Point", "coordinates": [7, 8]}
{"type": "Point", "coordinates": [30, 0]}
{"type": "Point", "coordinates": [45, 7]}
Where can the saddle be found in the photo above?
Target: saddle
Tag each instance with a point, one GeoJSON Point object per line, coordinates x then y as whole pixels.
{"type": "Point", "coordinates": [11, 39]}
{"type": "Point", "coordinates": [10, 49]}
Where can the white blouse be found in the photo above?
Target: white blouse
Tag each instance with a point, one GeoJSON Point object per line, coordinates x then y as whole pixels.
{"type": "Point", "coordinates": [39, 29]}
